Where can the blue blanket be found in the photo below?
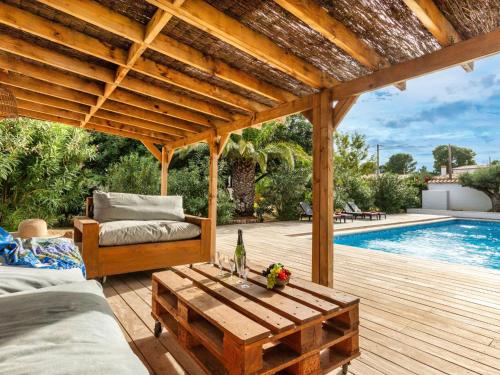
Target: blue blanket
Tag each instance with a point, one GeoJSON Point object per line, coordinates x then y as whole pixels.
{"type": "Point", "coordinates": [52, 253]}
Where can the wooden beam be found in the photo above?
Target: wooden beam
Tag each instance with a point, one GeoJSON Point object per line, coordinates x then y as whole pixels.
{"type": "Point", "coordinates": [213, 167]}
{"type": "Point", "coordinates": [141, 124]}
{"type": "Point", "coordinates": [322, 194]}
{"type": "Point", "coordinates": [101, 129]}
{"type": "Point", "coordinates": [318, 19]}
{"type": "Point", "coordinates": [48, 74]}
{"type": "Point", "coordinates": [438, 25]}
{"type": "Point", "coordinates": [152, 148]}
{"type": "Point", "coordinates": [204, 16]}
{"type": "Point", "coordinates": [32, 84]}
{"type": "Point", "coordinates": [342, 108]}
{"type": "Point", "coordinates": [281, 110]}
{"type": "Point", "coordinates": [221, 144]}
{"type": "Point", "coordinates": [114, 22]}
{"type": "Point", "coordinates": [166, 157]}
{"type": "Point", "coordinates": [173, 77]}
{"type": "Point", "coordinates": [36, 97]}
{"type": "Point", "coordinates": [160, 93]}
{"type": "Point", "coordinates": [31, 106]}
{"type": "Point", "coordinates": [159, 106]}
{"type": "Point", "coordinates": [32, 51]}
{"type": "Point", "coordinates": [158, 118]}
{"type": "Point", "coordinates": [108, 19]}
{"type": "Point", "coordinates": [159, 137]}
{"type": "Point", "coordinates": [456, 54]}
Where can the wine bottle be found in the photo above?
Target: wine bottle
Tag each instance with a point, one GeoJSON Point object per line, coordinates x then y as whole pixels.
{"type": "Point", "coordinates": [239, 252]}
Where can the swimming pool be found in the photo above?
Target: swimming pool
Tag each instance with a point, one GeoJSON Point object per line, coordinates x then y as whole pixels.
{"type": "Point", "coordinates": [472, 242]}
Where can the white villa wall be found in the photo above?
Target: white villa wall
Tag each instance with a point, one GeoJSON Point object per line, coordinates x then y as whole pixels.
{"type": "Point", "coordinates": [458, 198]}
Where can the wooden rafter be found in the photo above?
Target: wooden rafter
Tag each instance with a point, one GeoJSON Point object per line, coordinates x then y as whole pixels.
{"type": "Point", "coordinates": [202, 15]}
{"type": "Point", "coordinates": [438, 25]}
{"type": "Point", "coordinates": [41, 27]}
{"type": "Point", "coordinates": [152, 148]}
{"type": "Point", "coordinates": [336, 32]}
{"type": "Point", "coordinates": [91, 126]}
{"type": "Point", "coordinates": [114, 23]}
{"type": "Point", "coordinates": [52, 101]}
{"type": "Point", "coordinates": [456, 54]}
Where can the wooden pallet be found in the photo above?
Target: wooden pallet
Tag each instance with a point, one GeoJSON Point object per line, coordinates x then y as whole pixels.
{"type": "Point", "coordinates": [303, 328]}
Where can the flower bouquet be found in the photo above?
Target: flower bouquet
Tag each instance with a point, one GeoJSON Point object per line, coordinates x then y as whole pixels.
{"type": "Point", "coordinates": [277, 275]}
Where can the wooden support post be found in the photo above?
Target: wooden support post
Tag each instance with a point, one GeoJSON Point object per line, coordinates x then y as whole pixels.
{"type": "Point", "coordinates": [212, 191]}
{"type": "Point", "coordinates": [325, 120]}
{"type": "Point", "coordinates": [322, 231]}
{"type": "Point", "coordinates": [166, 158]}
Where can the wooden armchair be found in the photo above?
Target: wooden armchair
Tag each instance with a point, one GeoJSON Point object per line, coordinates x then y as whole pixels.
{"type": "Point", "coordinates": [102, 261]}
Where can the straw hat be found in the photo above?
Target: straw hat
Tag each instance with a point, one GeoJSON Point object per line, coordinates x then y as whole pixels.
{"type": "Point", "coordinates": [32, 228]}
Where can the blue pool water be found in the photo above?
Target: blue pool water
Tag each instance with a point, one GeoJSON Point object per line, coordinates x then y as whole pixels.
{"type": "Point", "coordinates": [471, 242]}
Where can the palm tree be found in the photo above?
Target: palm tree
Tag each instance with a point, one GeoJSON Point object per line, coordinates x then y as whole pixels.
{"type": "Point", "coordinates": [253, 152]}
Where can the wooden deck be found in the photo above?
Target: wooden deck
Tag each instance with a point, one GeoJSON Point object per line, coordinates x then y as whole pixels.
{"type": "Point", "coordinates": [417, 316]}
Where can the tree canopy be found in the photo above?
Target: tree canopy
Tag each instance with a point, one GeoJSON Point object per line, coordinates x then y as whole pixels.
{"type": "Point", "coordinates": [400, 163]}
{"type": "Point", "coordinates": [486, 180]}
{"type": "Point", "coordinates": [459, 156]}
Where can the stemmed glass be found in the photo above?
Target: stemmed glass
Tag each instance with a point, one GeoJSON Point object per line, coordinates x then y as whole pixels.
{"type": "Point", "coordinates": [232, 266]}
{"type": "Point", "coordinates": [242, 270]}
{"type": "Point", "coordinates": [220, 261]}
{"type": "Point", "coordinates": [245, 284]}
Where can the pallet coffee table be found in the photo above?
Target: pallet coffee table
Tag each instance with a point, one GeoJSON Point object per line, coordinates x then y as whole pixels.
{"type": "Point", "coordinates": [304, 328]}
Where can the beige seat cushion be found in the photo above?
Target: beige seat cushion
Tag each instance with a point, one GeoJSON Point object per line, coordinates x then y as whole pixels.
{"type": "Point", "coordinates": [123, 206]}
{"type": "Point", "coordinates": [128, 232]}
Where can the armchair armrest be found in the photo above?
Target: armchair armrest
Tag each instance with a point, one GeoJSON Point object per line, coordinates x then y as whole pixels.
{"type": "Point", "coordinates": [86, 235]}
{"type": "Point", "coordinates": [196, 219]}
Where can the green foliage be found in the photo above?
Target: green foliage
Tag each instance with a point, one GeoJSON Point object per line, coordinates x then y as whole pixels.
{"type": "Point", "coordinates": [134, 174]}
{"type": "Point", "coordinates": [41, 171]}
{"type": "Point", "coordinates": [486, 180]}
{"type": "Point", "coordinates": [352, 187]}
{"type": "Point", "coordinates": [400, 163]}
{"type": "Point", "coordinates": [351, 154]}
{"type": "Point", "coordinates": [191, 182]}
{"type": "Point", "coordinates": [281, 191]}
{"type": "Point", "coordinates": [459, 156]}
{"type": "Point", "coordinates": [393, 194]}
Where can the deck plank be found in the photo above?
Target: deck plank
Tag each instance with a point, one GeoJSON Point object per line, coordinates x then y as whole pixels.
{"type": "Point", "coordinates": [416, 316]}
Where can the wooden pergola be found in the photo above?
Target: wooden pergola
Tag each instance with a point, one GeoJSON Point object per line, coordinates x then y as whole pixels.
{"type": "Point", "coordinates": [171, 73]}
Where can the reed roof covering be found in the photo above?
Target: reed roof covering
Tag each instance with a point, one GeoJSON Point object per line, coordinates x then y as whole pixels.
{"type": "Point", "coordinates": [174, 72]}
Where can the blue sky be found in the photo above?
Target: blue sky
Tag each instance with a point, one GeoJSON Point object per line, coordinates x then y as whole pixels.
{"type": "Point", "coordinates": [450, 106]}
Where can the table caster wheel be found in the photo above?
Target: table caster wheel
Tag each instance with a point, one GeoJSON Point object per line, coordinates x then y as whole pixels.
{"type": "Point", "coordinates": [158, 329]}
{"type": "Point", "coordinates": [345, 368]}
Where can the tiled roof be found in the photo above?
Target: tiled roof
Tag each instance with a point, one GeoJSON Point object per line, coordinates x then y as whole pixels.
{"type": "Point", "coordinates": [443, 180]}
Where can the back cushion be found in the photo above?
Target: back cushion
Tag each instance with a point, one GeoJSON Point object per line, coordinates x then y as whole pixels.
{"type": "Point", "coordinates": [122, 206]}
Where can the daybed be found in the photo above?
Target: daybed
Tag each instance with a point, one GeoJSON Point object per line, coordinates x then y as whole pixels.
{"type": "Point", "coordinates": [54, 322]}
{"type": "Point", "coordinates": [128, 232]}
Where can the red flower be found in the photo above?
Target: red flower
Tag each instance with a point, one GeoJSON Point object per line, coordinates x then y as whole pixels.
{"type": "Point", "coordinates": [282, 275]}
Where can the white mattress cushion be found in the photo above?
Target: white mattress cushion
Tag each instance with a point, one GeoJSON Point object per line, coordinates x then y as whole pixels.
{"type": "Point", "coordinates": [128, 232]}
{"type": "Point", "coordinates": [17, 279]}
{"type": "Point", "coordinates": [123, 206]}
{"type": "Point", "coordinates": [61, 330]}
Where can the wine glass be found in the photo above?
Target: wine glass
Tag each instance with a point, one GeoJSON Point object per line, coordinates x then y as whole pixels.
{"type": "Point", "coordinates": [245, 284]}
{"type": "Point", "coordinates": [232, 266]}
{"type": "Point", "coordinates": [220, 261]}
{"type": "Point", "coordinates": [240, 266]}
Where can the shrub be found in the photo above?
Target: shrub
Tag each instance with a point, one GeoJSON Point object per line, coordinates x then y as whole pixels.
{"type": "Point", "coordinates": [41, 171]}
{"type": "Point", "coordinates": [283, 189]}
{"type": "Point", "coordinates": [352, 187]}
{"type": "Point", "coordinates": [134, 174]}
{"type": "Point", "coordinates": [393, 194]}
{"type": "Point", "coordinates": [191, 182]}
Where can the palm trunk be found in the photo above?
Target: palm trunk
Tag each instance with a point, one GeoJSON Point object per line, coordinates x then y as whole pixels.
{"type": "Point", "coordinates": [244, 186]}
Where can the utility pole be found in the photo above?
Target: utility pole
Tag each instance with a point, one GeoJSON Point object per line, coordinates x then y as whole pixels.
{"type": "Point", "coordinates": [450, 168]}
{"type": "Point", "coordinates": [378, 160]}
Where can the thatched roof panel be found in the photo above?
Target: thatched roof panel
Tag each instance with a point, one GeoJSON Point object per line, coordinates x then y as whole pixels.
{"type": "Point", "coordinates": [471, 17]}
{"type": "Point", "coordinates": [141, 11]}
{"type": "Point", "coordinates": [184, 92]}
{"type": "Point", "coordinates": [388, 26]}
{"type": "Point", "coordinates": [292, 34]}
{"type": "Point", "coordinates": [216, 48]}
{"type": "Point", "coordinates": [44, 43]}
{"type": "Point", "coordinates": [213, 80]}
{"type": "Point", "coordinates": [71, 22]}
